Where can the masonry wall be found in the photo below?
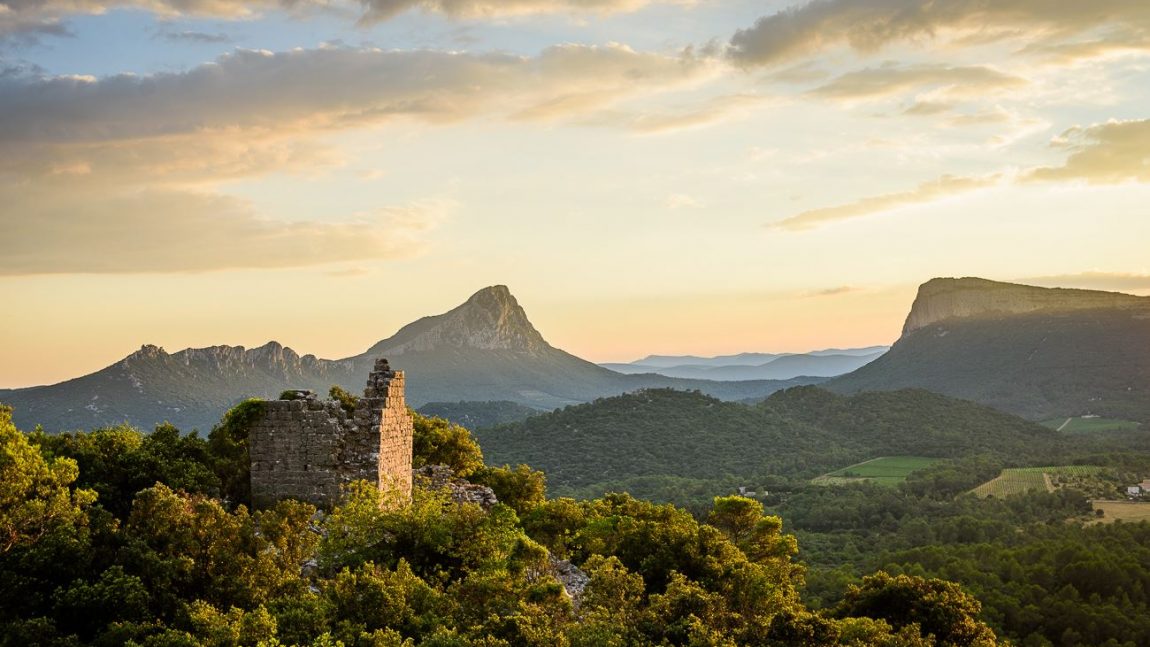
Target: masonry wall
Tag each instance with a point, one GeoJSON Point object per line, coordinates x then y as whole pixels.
{"type": "Point", "coordinates": [308, 448]}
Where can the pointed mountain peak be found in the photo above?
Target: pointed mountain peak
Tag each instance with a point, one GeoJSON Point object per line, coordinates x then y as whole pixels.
{"type": "Point", "coordinates": [966, 298]}
{"type": "Point", "coordinates": [496, 298]}
{"type": "Point", "coordinates": [491, 319]}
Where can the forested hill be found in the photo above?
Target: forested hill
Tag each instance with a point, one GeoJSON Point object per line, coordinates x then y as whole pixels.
{"type": "Point", "coordinates": [911, 421]}
{"type": "Point", "coordinates": [616, 443]}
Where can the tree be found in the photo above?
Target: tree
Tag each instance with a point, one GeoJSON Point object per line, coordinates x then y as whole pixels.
{"type": "Point", "coordinates": [35, 497]}
{"type": "Point", "coordinates": [940, 609]}
{"type": "Point", "coordinates": [228, 444]}
{"type": "Point", "coordinates": [436, 441]}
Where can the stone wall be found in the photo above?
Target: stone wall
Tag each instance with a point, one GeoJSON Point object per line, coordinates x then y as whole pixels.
{"type": "Point", "coordinates": [307, 448]}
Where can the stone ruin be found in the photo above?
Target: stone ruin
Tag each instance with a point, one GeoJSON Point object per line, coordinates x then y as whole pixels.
{"type": "Point", "coordinates": [307, 449]}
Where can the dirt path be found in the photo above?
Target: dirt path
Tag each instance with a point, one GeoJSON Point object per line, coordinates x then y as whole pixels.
{"type": "Point", "coordinates": [1049, 482]}
{"type": "Point", "coordinates": [1068, 421]}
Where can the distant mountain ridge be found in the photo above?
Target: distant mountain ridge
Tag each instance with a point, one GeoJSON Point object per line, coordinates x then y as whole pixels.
{"type": "Point", "coordinates": [486, 349]}
{"type": "Point", "coordinates": [754, 366]}
{"type": "Point", "coordinates": [1037, 352]}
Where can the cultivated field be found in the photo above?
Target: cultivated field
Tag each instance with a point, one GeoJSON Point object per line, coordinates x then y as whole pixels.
{"type": "Point", "coordinates": [1089, 425]}
{"type": "Point", "coordinates": [1019, 480]}
{"type": "Point", "coordinates": [1127, 511]}
{"type": "Point", "coordinates": [887, 470]}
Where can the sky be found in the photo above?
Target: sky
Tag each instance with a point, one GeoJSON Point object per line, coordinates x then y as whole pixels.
{"type": "Point", "coordinates": [647, 176]}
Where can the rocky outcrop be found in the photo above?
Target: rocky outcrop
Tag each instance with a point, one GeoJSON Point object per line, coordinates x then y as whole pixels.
{"type": "Point", "coordinates": [573, 579]}
{"type": "Point", "coordinates": [967, 298]}
{"type": "Point", "coordinates": [271, 359]}
{"type": "Point", "coordinates": [442, 477]}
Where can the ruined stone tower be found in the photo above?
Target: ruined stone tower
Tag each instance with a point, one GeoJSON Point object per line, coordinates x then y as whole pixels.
{"type": "Point", "coordinates": [307, 448]}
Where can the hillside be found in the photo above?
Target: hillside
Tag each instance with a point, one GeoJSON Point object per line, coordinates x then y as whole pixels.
{"type": "Point", "coordinates": [912, 421]}
{"type": "Point", "coordinates": [483, 350]}
{"type": "Point", "coordinates": [478, 415]}
{"type": "Point", "coordinates": [800, 432]}
{"type": "Point", "coordinates": [1035, 352]}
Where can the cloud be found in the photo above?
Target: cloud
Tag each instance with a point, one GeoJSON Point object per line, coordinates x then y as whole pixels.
{"type": "Point", "coordinates": [832, 292]}
{"type": "Point", "coordinates": [330, 88]}
{"type": "Point", "coordinates": [379, 10]}
{"type": "Point", "coordinates": [28, 30]}
{"type": "Point", "coordinates": [870, 25]}
{"type": "Point", "coordinates": [943, 187]}
{"type": "Point", "coordinates": [251, 112]}
{"type": "Point", "coordinates": [19, 17]}
{"type": "Point", "coordinates": [28, 16]}
{"type": "Point", "coordinates": [706, 113]}
{"type": "Point", "coordinates": [196, 37]}
{"type": "Point", "coordinates": [1108, 153]}
{"type": "Point", "coordinates": [62, 230]}
{"type": "Point", "coordinates": [949, 82]}
{"type": "Point", "coordinates": [682, 201]}
{"type": "Point", "coordinates": [119, 174]}
{"type": "Point", "coordinates": [1093, 280]}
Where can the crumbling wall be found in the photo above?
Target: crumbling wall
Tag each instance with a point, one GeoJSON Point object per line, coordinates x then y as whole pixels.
{"type": "Point", "coordinates": [308, 448]}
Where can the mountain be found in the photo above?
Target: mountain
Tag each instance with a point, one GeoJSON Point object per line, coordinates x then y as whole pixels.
{"type": "Point", "coordinates": [1040, 353]}
{"type": "Point", "coordinates": [634, 441]}
{"type": "Point", "coordinates": [483, 350]}
{"type": "Point", "coordinates": [741, 367]}
{"type": "Point", "coordinates": [190, 388]}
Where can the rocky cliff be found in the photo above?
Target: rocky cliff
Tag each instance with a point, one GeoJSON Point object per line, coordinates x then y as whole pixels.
{"type": "Point", "coordinates": [966, 298]}
{"type": "Point", "coordinates": [1035, 352]}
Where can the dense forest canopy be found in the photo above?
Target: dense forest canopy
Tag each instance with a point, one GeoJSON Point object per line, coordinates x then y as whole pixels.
{"type": "Point", "coordinates": [115, 536]}
{"type": "Point", "coordinates": [686, 447]}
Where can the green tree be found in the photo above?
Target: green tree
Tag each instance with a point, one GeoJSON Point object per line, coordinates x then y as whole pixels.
{"type": "Point", "coordinates": [35, 497]}
{"type": "Point", "coordinates": [940, 609]}
{"type": "Point", "coordinates": [436, 441]}
{"type": "Point", "coordinates": [228, 444]}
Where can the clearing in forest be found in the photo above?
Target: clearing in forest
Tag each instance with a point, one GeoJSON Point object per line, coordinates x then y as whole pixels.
{"type": "Point", "coordinates": [1085, 425]}
{"type": "Point", "coordinates": [1019, 480]}
{"type": "Point", "coordinates": [885, 470]}
{"type": "Point", "coordinates": [1127, 511]}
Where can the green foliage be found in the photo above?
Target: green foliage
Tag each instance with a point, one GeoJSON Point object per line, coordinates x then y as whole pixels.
{"type": "Point", "coordinates": [179, 566]}
{"type": "Point", "coordinates": [939, 609]}
{"type": "Point", "coordinates": [687, 447]}
{"type": "Point", "coordinates": [228, 443]}
{"type": "Point", "coordinates": [478, 415]}
{"type": "Point", "coordinates": [35, 497]}
{"type": "Point", "coordinates": [436, 441]}
{"type": "Point", "coordinates": [347, 401]}
{"type": "Point", "coordinates": [116, 462]}
{"type": "Point", "coordinates": [521, 488]}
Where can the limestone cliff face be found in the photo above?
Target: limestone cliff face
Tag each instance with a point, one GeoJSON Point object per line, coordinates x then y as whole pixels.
{"type": "Point", "coordinates": [490, 320]}
{"type": "Point", "coordinates": [272, 358]}
{"type": "Point", "coordinates": [942, 299]}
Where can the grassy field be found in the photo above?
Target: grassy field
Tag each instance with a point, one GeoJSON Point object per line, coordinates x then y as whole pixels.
{"type": "Point", "coordinates": [887, 470]}
{"type": "Point", "coordinates": [1089, 425]}
{"type": "Point", "coordinates": [1127, 511]}
{"type": "Point", "coordinates": [1019, 480]}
